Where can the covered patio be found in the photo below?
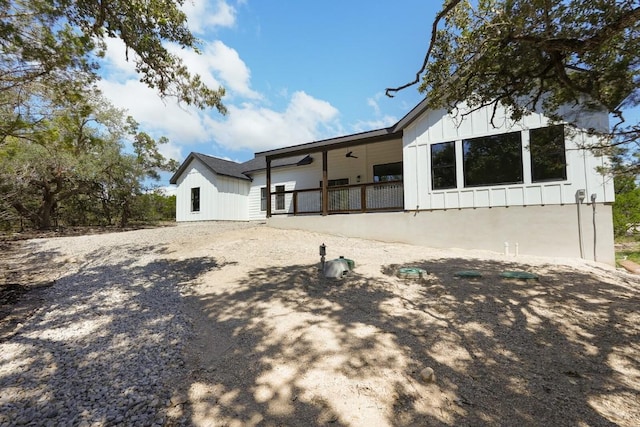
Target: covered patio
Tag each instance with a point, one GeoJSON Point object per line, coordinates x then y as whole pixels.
{"type": "Point", "coordinates": [378, 188]}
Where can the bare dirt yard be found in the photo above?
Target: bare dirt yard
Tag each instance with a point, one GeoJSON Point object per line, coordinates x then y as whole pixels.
{"type": "Point", "coordinates": [271, 342]}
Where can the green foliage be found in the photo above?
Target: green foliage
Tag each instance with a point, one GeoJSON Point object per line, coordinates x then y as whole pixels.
{"type": "Point", "coordinates": [154, 207]}
{"type": "Point", "coordinates": [62, 147]}
{"type": "Point", "coordinates": [626, 209]}
{"type": "Point", "coordinates": [536, 55]}
{"type": "Point", "coordinates": [73, 168]}
{"type": "Point", "coordinates": [54, 42]}
{"type": "Point", "coordinates": [630, 254]}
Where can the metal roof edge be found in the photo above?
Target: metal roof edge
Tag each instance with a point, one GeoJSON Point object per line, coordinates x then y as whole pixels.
{"type": "Point", "coordinates": [286, 165]}
{"type": "Point", "coordinates": [345, 140]}
{"type": "Point", "coordinates": [195, 155]}
{"type": "Point", "coordinates": [309, 147]}
{"type": "Point", "coordinates": [411, 115]}
{"type": "Point", "coordinates": [183, 166]}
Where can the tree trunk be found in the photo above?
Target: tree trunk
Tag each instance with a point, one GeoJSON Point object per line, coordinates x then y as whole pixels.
{"type": "Point", "coordinates": [126, 214]}
{"type": "Point", "coordinates": [46, 209]}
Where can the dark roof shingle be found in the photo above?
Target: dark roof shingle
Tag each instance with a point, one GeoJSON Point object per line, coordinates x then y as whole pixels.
{"type": "Point", "coordinates": [237, 170]}
{"type": "Point", "coordinates": [215, 164]}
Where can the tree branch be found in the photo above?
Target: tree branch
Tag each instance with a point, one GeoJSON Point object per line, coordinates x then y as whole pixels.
{"type": "Point", "coordinates": [434, 31]}
{"type": "Point", "coordinates": [576, 45]}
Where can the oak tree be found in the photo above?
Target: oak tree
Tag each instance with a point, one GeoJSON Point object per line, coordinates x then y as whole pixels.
{"type": "Point", "coordinates": [536, 55]}
{"type": "Point", "coordinates": [49, 41]}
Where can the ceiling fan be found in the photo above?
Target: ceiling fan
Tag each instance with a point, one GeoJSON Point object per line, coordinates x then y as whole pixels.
{"type": "Point", "coordinates": [350, 154]}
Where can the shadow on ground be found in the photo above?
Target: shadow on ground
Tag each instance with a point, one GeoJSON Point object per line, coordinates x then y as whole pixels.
{"type": "Point", "coordinates": [288, 347]}
{"type": "Point", "coordinates": [104, 346]}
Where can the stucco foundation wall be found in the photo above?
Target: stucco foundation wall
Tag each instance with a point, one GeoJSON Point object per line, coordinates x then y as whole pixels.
{"type": "Point", "coordinates": [552, 230]}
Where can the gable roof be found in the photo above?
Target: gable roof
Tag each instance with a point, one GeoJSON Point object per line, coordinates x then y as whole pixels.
{"type": "Point", "coordinates": [259, 163]}
{"type": "Point", "coordinates": [299, 154]}
{"type": "Point", "coordinates": [237, 170]}
{"type": "Point", "coordinates": [214, 164]}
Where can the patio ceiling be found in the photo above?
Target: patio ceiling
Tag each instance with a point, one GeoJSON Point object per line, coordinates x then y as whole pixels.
{"type": "Point", "coordinates": [363, 138]}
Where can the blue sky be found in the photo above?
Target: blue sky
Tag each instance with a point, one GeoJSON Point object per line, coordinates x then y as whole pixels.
{"type": "Point", "coordinates": [294, 72]}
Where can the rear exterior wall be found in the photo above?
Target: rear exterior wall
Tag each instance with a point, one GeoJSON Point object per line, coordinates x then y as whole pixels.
{"type": "Point", "coordinates": [549, 231]}
{"type": "Point", "coordinates": [222, 198]}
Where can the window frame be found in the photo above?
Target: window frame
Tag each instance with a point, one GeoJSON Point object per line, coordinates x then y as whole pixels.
{"type": "Point", "coordinates": [547, 152]}
{"type": "Point", "coordinates": [195, 199]}
{"type": "Point", "coordinates": [376, 177]}
{"type": "Point", "coordinates": [263, 199]}
{"type": "Point", "coordinates": [490, 140]}
{"type": "Point", "coordinates": [280, 205]}
{"type": "Point", "coordinates": [451, 166]}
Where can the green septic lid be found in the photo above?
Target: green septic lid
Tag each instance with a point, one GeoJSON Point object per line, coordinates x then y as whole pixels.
{"type": "Point", "coordinates": [521, 275]}
{"type": "Point", "coordinates": [411, 272]}
{"type": "Point", "coordinates": [467, 273]}
{"type": "Point", "coordinates": [351, 263]}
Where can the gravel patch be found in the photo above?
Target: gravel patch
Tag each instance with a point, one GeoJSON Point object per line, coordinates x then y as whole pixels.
{"type": "Point", "coordinates": [106, 346]}
{"type": "Point", "coordinates": [232, 324]}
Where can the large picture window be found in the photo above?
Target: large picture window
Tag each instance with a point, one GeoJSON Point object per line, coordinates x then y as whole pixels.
{"type": "Point", "coordinates": [548, 161]}
{"type": "Point", "coordinates": [195, 199]}
{"type": "Point", "coordinates": [491, 160]}
{"type": "Point", "coordinates": [443, 165]}
{"type": "Point", "coordinates": [387, 172]}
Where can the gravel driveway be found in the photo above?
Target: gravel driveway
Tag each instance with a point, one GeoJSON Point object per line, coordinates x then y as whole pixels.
{"type": "Point", "coordinates": [106, 345]}
{"type": "Point", "coordinates": [230, 324]}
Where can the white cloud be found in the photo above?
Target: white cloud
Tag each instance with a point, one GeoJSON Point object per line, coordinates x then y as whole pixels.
{"type": "Point", "coordinates": [171, 150]}
{"type": "Point", "coordinates": [217, 65]}
{"type": "Point", "coordinates": [253, 127]}
{"type": "Point", "coordinates": [156, 117]}
{"type": "Point", "coordinates": [206, 15]}
{"type": "Point", "coordinates": [380, 123]}
{"type": "Point", "coordinates": [115, 62]}
{"type": "Point", "coordinates": [218, 59]}
{"type": "Point", "coordinates": [373, 103]}
{"type": "Point", "coordinates": [250, 124]}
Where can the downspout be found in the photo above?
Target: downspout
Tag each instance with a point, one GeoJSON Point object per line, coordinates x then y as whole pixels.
{"type": "Point", "coordinates": [580, 195]}
{"type": "Point", "coordinates": [268, 183]}
{"type": "Point", "coordinates": [595, 234]}
{"type": "Point", "coordinates": [325, 180]}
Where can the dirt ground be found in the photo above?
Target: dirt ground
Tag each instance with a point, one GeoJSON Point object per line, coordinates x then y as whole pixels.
{"type": "Point", "coordinates": [277, 344]}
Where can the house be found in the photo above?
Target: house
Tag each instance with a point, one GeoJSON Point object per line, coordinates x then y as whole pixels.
{"type": "Point", "coordinates": [475, 181]}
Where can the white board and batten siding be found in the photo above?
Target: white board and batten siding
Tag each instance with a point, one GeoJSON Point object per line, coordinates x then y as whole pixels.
{"type": "Point", "coordinates": [292, 177]}
{"type": "Point", "coordinates": [222, 198]}
{"type": "Point", "coordinates": [437, 127]}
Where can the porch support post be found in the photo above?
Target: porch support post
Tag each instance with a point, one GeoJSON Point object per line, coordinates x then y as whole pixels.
{"type": "Point", "coordinates": [325, 189]}
{"type": "Point", "coordinates": [268, 187]}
